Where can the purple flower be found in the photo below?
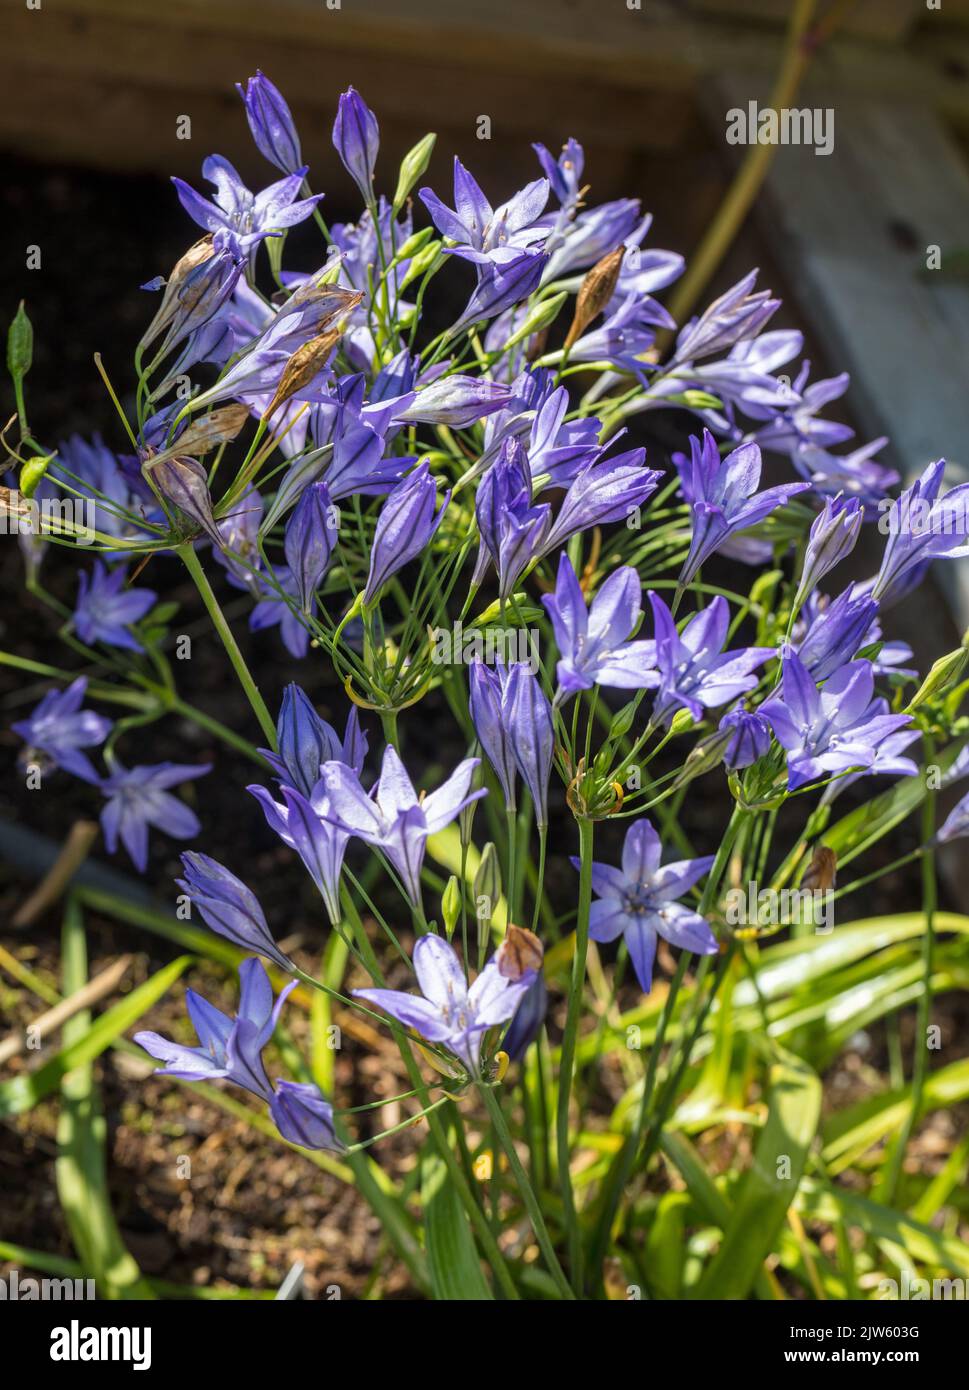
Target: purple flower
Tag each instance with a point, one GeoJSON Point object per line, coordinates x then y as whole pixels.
{"type": "Point", "coordinates": [603, 492]}
{"type": "Point", "coordinates": [302, 1116]}
{"type": "Point", "coordinates": [137, 797]}
{"type": "Point", "coordinates": [887, 762]}
{"type": "Point", "coordinates": [595, 232]}
{"type": "Point", "coordinates": [406, 523]}
{"type": "Point", "coordinates": [739, 313]}
{"type": "Point", "coordinates": [356, 138]}
{"type": "Point", "coordinates": [305, 825]}
{"type": "Point", "coordinates": [956, 824]}
{"type": "Point", "coordinates": [852, 475]}
{"type": "Point", "coordinates": [306, 741]}
{"type": "Point", "coordinates": [255, 374]}
{"type": "Point", "coordinates": [751, 737]}
{"type": "Point", "coordinates": [501, 287]}
{"type": "Point", "coordinates": [447, 1011]}
{"type": "Point", "coordinates": [308, 542]}
{"type": "Point", "coordinates": [638, 902]}
{"type": "Point", "coordinates": [228, 907]}
{"type": "Point", "coordinates": [393, 818]}
{"type": "Point", "coordinates": [921, 526]}
{"type": "Point", "coordinates": [513, 531]}
{"type": "Point", "coordinates": [833, 535]}
{"type": "Point", "coordinates": [201, 291]}
{"type": "Point", "coordinates": [565, 173]}
{"type": "Point", "coordinates": [185, 483]}
{"type": "Point", "coordinates": [592, 643]}
{"type": "Point", "coordinates": [487, 686]}
{"type": "Point", "coordinates": [238, 209]}
{"type": "Point", "coordinates": [457, 401]}
{"type": "Point", "coordinates": [527, 1022]}
{"type": "Point", "coordinates": [527, 718]}
{"type": "Point", "coordinates": [490, 236]}
{"type": "Point", "coordinates": [358, 465]}
{"type": "Point", "coordinates": [836, 633]}
{"type": "Point", "coordinates": [232, 1048]}
{"type": "Point", "coordinates": [558, 449]}
{"type": "Point", "coordinates": [59, 728]}
{"type": "Point", "coordinates": [723, 496]}
{"type": "Point", "coordinates": [624, 335]}
{"type": "Point", "coordinates": [694, 670]}
{"type": "Point", "coordinates": [105, 608]}
{"type": "Point", "coordinates": [834, 729]}
{"type": "Point", "coordinates": [271, 123]}
{"type": "Point", "coordinates": [238, 552]}
{"type": "Point", "coordinates": [795, 425]}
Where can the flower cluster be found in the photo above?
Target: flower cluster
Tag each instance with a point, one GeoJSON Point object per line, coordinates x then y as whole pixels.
{"type": "Point", "coordinates": [360, 483]}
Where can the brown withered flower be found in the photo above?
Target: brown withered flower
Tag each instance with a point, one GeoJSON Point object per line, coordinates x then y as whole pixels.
{"type": "Point", "coordinates": [302, 367]}
{"type": "Point", "coordinates": [595, 293]}
{"type": "Point", "coordinates": [521, 950]}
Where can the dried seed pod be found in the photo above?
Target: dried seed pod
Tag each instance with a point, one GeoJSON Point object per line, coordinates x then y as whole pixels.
{"type": "Point", "coordinates": [221, 427]}
{"type": "Point", "coordinates": [595, 293]}
{"type": "Point", "coordinates": [521, 950]}
{"type": "Point", "coordinates": [821, 873]}
{"type": "Point", "coordinates": [302, 367]}
{"type": "Point", "coordinates": [195, 256]}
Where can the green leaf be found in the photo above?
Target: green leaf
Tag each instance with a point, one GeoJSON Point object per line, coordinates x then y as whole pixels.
{"type": "Point", "coordinates": [666, 1246]}
{"type": "Point", "coordinates": [456, 1273]}
{"type": "Point", "coordinates": [21, 1093]}
{"type": "Point", "coordinates": [837, 1205]}
{"type": "Point", "coordinates": [80, 1169]}
{"type": "Point", "coordinates": [770, 1184]}
{"type": "Point", "coordinates": [854, 833]}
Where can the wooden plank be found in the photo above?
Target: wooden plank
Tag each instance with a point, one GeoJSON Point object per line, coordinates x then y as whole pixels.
{"type": "Point", "coordinates": [851, 231]}
{"type": "Point", "coordinates": [106, 88]}
{"type": "Point", "coordinates": [870, 19]}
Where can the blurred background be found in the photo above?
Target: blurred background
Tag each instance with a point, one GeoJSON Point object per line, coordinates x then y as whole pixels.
{"type": "Point", "coordinates": [102, 100]}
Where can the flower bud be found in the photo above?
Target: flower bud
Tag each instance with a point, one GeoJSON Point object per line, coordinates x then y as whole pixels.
{"type": "Point", "coordinates": [308, 541]}
{"type": "Point", "coordinates": [412, 166]}
{"type": "Point", "coordinates": [451, 905]}
{"type": "Point", "coordinates": [944, 673]}
{"type": "Point", "coordinates": [228, 906]}
{"type": "Point", "coordinates": [20, 345]}
{"type": "Point", "coordinates": [185, 483]}
{"type": "Point", "coordinates": [271, 123]}
{"type": "Point", "coordinates": [356, 137]}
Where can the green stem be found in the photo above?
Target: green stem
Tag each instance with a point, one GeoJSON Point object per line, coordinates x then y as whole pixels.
{"type": "Point", "coordinates": [930, 894]}
{"type": "Point", "coordinates": [222, 731]}
{"type": "Point", "coordinates": [476, 1216]}
{"type": "Point", "coordinates": [191, 562]}
{"type": "Point", "coordinates": [569, 1039]}
{"type": "Point", "coordinates": [526, 1190]}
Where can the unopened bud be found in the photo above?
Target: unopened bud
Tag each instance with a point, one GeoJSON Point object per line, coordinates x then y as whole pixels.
{"type": "Point", "coordinates": [451, 905]}
{"type": "Point", "coordinates": [945, 672]}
